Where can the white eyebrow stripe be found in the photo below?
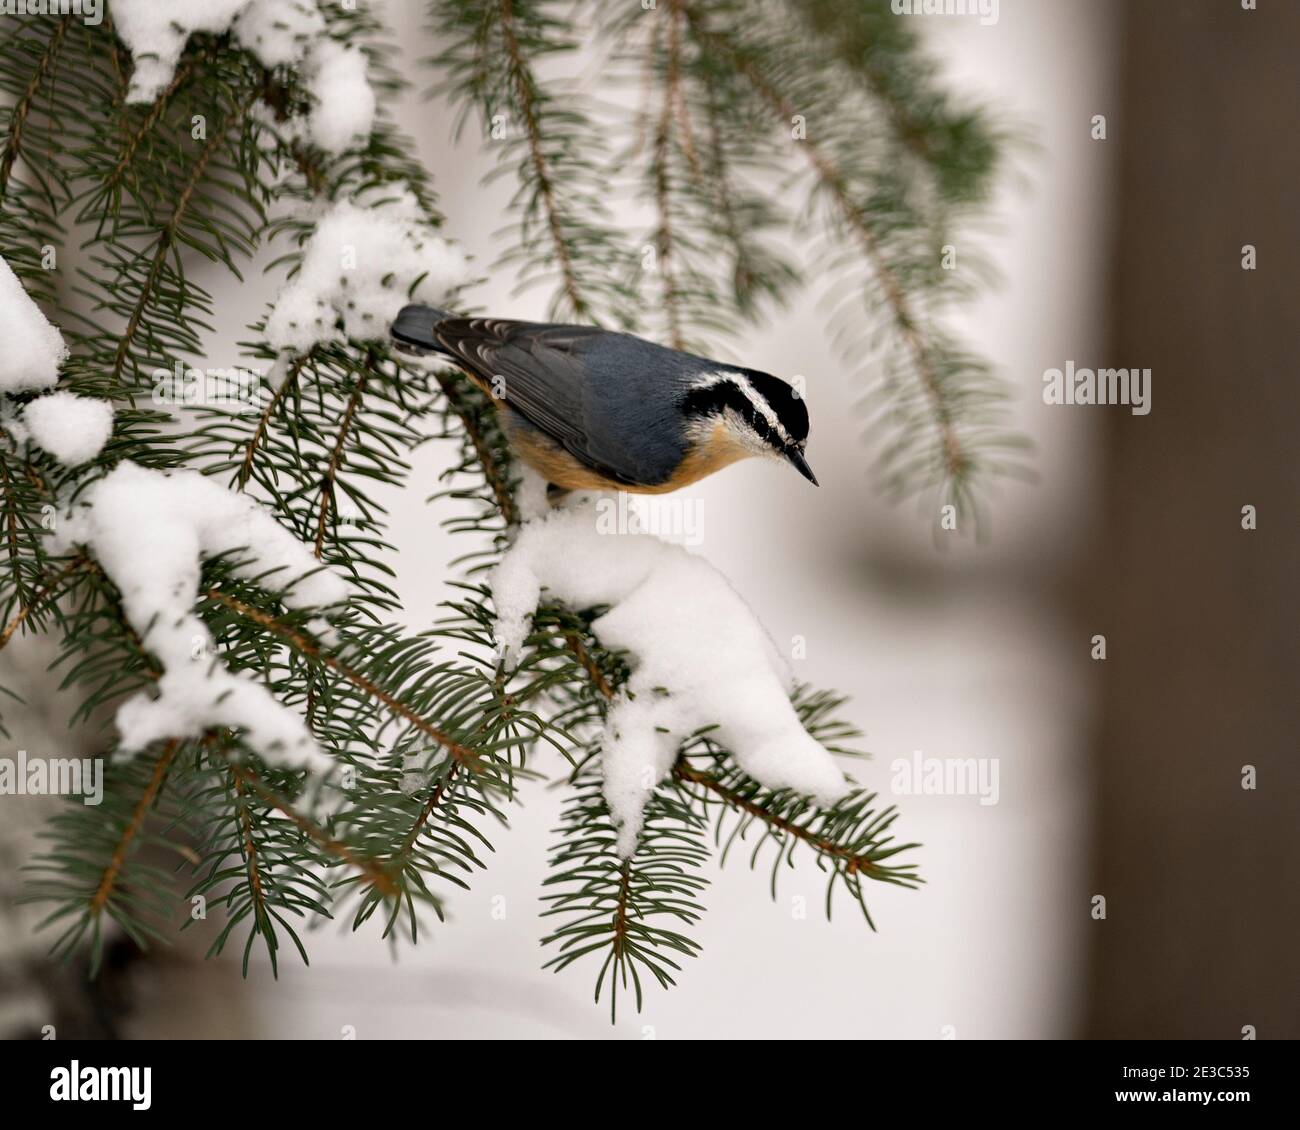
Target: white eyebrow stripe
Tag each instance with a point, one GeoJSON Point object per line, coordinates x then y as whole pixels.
{"type": "Point", "coordinates": [742, 382]}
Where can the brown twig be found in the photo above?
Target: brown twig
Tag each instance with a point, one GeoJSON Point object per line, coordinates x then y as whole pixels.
{"type": "Point", "coordinates": [497, 478]}
{"type": "Point", "coordinates": [167, 236]}
{"type": "Point", "coordinates": [464, 755]}
{"type": "Point", "coordinates": [250, 449]}
{"type": "Point", "coordinates": [956, 460]}
{"type": "Point", "coordinates": [684, 771]}
{"type": "Point", "coordinates": [541, 168]}
{"type": "Point", "coordinates": [676, 90]}
{"type": "Point", "coordinates": [39, 597]}
{"type": "Point", "coordinates": [250, 851]}
{"type": "Point", "coordinates": [336, 459]}
{"type": "Point", "coordinates": [150, 120]}
{"type": "Point", "coordinates": [620, 911]}
{"type": "Point", "coordinates": [589, 664]}
{"type": "Point", "coordinates": [663, 142]}
{"type": "Point", "coordinates": [426, 810]}
{"type": "Point", "coordinates": [22, 108]}
{"type": "Point", "coordinates": [108, 881]}
{"type": "Point", "coordinates": [377, 875]}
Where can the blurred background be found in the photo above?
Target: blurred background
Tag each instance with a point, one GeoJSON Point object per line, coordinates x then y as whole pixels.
{"type": "Point", "coordinates": [1118, 778]}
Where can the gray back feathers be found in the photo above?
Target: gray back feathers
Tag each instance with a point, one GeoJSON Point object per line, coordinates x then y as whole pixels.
{"type": "Point", "coordinates": [616, 402]}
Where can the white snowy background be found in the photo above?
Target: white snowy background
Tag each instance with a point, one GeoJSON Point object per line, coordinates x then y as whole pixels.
{"type": "Point", "coordinates": [957, 652]}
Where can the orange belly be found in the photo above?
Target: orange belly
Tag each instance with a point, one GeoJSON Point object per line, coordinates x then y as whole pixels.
{"type": "Point", "coordinates": [559, 466]}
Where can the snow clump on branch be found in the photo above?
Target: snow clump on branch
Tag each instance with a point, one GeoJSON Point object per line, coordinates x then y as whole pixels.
{"type": "Point", "coordinates": [699, 658]}
{"type": "Point", "coordinates": [33, 349]}
{"type": "Point", "coordinates": [278, 33]}
{"type": "Point", "coordinates": [149, 531]}
{"type": "Point", "coordinates": [362, 264]}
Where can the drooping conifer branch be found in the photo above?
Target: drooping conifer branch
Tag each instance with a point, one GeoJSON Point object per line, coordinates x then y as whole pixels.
{"type": "Point", "coordinates": [523, 82]}
{"type": "Point", "coordinates": [955, 459]}
{"type": "Point", "coordinates": [108, 881]}
{"type": "Point", "coordinates": [165, 240]}
{"type": "Point", "coordinates": [430, 732]}
{"type": "Point", "coordinates": [305, 647]}
{"type": "Point", "coordinates": [672, 111]}
{"type": "Point", "coordinates": [18, 116]}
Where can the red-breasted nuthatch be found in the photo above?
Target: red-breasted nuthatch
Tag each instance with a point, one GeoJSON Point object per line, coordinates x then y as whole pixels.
{"type": "Point", "coordinates": [592, 409]}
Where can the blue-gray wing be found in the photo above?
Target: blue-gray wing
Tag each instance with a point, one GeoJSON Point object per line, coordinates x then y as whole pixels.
{"type": "Point", "coordinates": [609, 399]}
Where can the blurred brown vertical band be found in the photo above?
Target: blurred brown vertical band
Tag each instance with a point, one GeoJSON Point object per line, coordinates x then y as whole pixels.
{"type": "Point", "coordinates": [1200, 876]}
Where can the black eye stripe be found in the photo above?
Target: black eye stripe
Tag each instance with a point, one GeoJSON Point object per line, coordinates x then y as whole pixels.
{"type": "Point", "coordinates": [712, 399]}
{"type": "Point", "coordinates": [721, 395]}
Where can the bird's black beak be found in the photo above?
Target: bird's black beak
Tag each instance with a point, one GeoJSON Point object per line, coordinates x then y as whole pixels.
{"type": "Point", "coordinates": [800, 464]}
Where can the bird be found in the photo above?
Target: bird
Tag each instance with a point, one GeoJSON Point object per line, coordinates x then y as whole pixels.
{"type": "Point", "coordinates": [594, 409]}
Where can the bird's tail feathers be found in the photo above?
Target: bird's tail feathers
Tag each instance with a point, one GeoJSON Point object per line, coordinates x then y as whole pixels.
{"type": "Point", "coordinates": [412, 329]}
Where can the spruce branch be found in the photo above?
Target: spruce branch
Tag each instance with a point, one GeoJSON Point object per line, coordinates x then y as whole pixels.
{"type": "Point", "coordinates": [631, 911]}
{"type": "Point", "coordinates": [613, 907]}
{"type": "Point", "coordinates": [171, 231]}
{"type": "Point", "coordinates": [305, 647]}
{"type": "Point", "coordinates": [959, 147]}
{"type": "Point", "coordinates": [853, 215]}
{"type": "Point", "coordinates": [108, 881]}
{"type": "Point", "coordinates": [672, 112]}
{"type": "Point", "coordinates": [521, 78]}
{"type": "Point", "coordinates": [700, 157]}
{"type": "Point", "coordinates": [373, 872]}
{"type": "Point", "coordinates": [430, 735]}
{"type": "Point", "coordinates": [488, 67]}
{"type": "Point", "coordinates": [94, 869]}
{"type": "Point", "coordinates": [327, 499]}
{"type": "Point", "coordinates": [942, 430]}
{"type": "Point", "coordinates": [46, 592]}
{"type": "Point", "coordinates": [139, 176]}
{"type": "Point", "coordinates": [23, 106]}
{"type": "Point", "coordinates": [287, 386]}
